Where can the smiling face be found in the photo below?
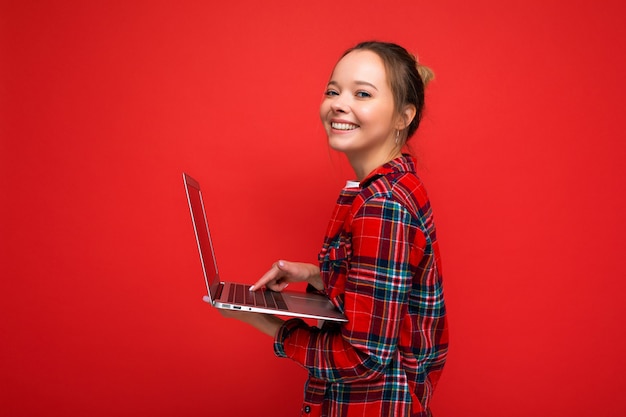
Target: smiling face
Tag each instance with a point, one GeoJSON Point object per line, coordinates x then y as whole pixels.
{"type": "Point", "coordinates": [358, 112]}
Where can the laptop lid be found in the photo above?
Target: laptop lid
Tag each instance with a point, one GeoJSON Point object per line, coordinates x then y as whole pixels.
{"type": "Point", "coordinates": [203, 236]}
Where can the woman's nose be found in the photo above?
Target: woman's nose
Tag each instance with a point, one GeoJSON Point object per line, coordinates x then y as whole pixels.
{"type": "Point", "coordinates": [339, 105]}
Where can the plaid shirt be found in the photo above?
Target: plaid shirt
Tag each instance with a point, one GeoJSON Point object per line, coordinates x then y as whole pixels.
{"type": "Point", "coordinates": [379, 263]}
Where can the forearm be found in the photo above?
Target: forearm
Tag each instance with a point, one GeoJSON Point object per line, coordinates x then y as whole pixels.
{"type": "Point", "coordinates": [269, 324]}
{"type": "Point", "coordinates": [265, 323]}
{"type": "Point", "coordinates": [329, 355]}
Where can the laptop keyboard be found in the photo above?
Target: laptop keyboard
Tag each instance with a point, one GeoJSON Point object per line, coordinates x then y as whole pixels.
{"type": "Point", "coordinates": [241, 294]}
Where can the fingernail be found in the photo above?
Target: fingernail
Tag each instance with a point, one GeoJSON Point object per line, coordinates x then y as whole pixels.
{"type": "Point", "coordinates": [251, 288]}
{"type": "Point", "coordinates": [281, 263]}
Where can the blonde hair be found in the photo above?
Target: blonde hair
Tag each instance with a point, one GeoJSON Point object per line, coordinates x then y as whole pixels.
{"type": "Point", "coordinates": [426, 74]}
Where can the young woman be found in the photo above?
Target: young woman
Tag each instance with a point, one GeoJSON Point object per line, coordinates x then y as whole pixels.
{"type": "Point", "coordinates": [380, 258]}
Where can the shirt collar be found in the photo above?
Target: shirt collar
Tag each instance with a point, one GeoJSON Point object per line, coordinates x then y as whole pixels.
{"type": "Point", "coordinates": [404, 163]}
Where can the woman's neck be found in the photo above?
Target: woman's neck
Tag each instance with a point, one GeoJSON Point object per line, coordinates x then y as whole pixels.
{"type": "Point", "coordinates": [363, 166]}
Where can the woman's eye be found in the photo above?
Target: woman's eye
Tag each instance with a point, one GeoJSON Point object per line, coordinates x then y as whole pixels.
{"type": "Point", "coordinates": [331, 93]}
{"type": "Point", "coordinates": [363, 94]}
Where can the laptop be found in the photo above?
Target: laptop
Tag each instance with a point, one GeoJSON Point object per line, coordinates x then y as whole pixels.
{"type": "Point", "coordinates": [236, 296]}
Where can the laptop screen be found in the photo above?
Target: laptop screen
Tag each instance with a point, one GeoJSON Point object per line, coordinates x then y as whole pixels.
{"type": "Point", "coordinates": [201, 228]}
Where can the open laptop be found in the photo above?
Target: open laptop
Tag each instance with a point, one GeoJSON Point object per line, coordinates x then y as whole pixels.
{"type": "Point", "coordinates": [235, 296]}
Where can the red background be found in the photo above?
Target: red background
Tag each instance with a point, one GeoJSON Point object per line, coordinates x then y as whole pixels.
{"type": "Point", "coordinates": [104, 104]}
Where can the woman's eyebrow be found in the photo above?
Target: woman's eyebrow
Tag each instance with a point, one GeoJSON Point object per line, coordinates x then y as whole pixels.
{"type": "Point", "coordinates": [335, 83]}
{"type": "Point", "coordinates": [366, 83]}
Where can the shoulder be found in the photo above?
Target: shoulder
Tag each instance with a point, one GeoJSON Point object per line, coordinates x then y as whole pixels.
{"type": "Point", "coordinates": [398, 190]}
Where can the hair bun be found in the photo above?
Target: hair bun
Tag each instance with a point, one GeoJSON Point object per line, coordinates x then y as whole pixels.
{"type": "Point", "coordinates": [426, 74]}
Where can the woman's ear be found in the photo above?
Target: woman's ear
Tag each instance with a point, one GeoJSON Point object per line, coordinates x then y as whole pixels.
{"type": "Point", "coordinates": [406, 117]}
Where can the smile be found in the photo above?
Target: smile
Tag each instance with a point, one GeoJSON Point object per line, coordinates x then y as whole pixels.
{"type": "Point", "coordinates": [343, 126]}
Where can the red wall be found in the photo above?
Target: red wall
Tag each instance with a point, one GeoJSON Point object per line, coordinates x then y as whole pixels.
{"type": "Point", "coordinates": [104, 104]}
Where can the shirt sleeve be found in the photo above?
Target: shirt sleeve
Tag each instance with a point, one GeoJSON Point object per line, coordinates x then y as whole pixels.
{"type": "Point", "coordinates": [376, 297]}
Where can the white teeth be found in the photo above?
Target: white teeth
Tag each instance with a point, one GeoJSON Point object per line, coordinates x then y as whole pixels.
{"type": "Point", "coordinates": [343, 126]}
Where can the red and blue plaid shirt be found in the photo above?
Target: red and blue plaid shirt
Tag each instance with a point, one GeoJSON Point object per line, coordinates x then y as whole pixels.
{"type": "Point", "coordinates": [380, 263]}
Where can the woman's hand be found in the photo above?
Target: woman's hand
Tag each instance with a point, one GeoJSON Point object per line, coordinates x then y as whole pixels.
{"type": "Point", "coordinates": [284, 272]}
{"type": "Point", "coordinates": [277, 279]}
